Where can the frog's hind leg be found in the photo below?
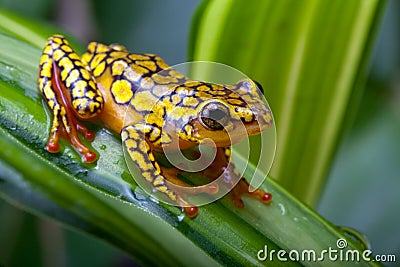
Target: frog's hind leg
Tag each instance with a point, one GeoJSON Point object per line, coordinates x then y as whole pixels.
{"type": "Point", "coordinates": [71, 94]}
{"type": "Point", "coordinates": [171, 174]}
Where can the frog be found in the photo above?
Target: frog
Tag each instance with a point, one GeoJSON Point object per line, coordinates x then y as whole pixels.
{"type": "Point", "coordinates": [107, 83]}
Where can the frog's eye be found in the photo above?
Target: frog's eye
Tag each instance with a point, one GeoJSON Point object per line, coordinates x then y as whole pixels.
{"type": "Point", "coordinates": [214, 116]}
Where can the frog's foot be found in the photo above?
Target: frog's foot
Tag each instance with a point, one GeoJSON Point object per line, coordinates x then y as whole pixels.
{"type": "Point", "coordinates": [242, 188]}
{"type": "Point", "coordinates": [171, 174]}
{"type": "Point", "coordinates": [58, 131]}
{"type": "Point", "coordinates": [190, 210]}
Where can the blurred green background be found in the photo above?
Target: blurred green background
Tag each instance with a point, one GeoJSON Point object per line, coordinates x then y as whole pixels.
{"type": "Point", "coordinates": [362, 186]}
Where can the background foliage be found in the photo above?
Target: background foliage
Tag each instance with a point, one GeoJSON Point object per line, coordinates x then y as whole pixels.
{"type": "Point", "coordinates": [366, 169]}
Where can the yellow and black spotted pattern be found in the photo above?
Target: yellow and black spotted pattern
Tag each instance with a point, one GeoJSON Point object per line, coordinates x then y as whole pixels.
{"type": "Point", "coordinates": [59, 59]}
{"type": "Point", "coordinates": [139, 150]}
{"type": "Point", "coordinates": [128, 71]}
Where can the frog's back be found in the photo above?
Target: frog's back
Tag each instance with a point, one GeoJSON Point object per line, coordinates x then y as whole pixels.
{"type": "Point", "coordinates": [128, 79]}
{"type": "Point", "coordinates": [99, 58]}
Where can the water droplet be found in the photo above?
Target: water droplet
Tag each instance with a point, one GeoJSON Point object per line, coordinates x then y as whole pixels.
{"type": "Point", "coordinates": [282, 207]}
{"type": "Point", "coordinates": [154, 200]}
{"type": "Point", "coordinates": [355, 235]}
{"type": "Point", "coordinates": [139, 196]}
{"type": "Point", "coordinates": [181, 217]}
{"type": "Point", "coordinates": [81, 173]}
{"type": "Point", "coordinates": [9, 68]}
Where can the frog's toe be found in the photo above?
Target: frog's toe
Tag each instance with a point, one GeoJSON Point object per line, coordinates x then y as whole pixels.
{"type": "Point", "coordinates": [262, 196]}
{"type": "Point", "coordinates": [87, 134]}
{"type": "Point", "coordinates": [89, 157]}
{"type": "Point", "coordinates": [191, 211]}
{"type": "Point", "coordinates": [52, 144]}
{"type": "Point", "coordinates": [242, 188]}
{"type": "Point", "coordinates": [53, 147]}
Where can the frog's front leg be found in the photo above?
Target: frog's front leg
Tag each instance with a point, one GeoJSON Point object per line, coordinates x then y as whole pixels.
{"type": "Point", "coordinates": [70, 91]}
{"type": "Point", "coordinates": [139, 140]}
{"type": "Point", "coordinates": [221, 166]}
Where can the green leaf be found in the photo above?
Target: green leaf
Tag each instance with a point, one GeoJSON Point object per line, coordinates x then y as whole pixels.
{"type": "Point", "coordinates": [103, 200]}
{"type": "Point", "coordinates": [311, 58]}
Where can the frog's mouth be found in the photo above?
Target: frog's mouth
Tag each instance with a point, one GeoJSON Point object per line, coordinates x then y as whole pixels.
{"type": "Point", "coordinates": [256, 127]}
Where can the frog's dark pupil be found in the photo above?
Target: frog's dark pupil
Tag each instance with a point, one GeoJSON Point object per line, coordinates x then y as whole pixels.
{"type": "Point", "coordinates": [214, 117]}
{"type": "Point", "coordinates": [212, 124]}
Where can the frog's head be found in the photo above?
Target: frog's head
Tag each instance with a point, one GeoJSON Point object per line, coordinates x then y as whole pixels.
{"type": "Point", "coordinates": [228, 114]}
